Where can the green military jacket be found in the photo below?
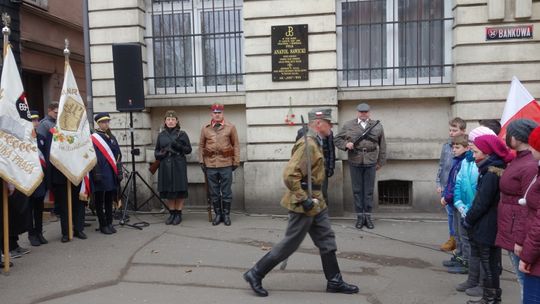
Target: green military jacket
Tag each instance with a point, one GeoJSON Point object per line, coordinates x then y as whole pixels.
{"type": "Point", "coordinates": [296, 172]}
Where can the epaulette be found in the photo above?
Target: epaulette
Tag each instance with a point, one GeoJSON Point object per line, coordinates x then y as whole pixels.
{"type": "Point", "coordinates": [498, 171]}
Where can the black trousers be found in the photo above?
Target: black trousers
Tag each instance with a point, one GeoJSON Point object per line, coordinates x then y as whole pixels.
{"type": "Point", "coordinates": [104, 201]}
{"type": "Point", "coordinates": [60, 196]}
{"type": "Point", "coordinates": [490, 263]}
{"type": "Point", "coordinates": [36, 215]}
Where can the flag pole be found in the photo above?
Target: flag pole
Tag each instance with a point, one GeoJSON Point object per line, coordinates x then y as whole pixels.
{"type": "Point", "coordinates": [6, 19]}
{"type": "Point", "coordinates": [69, 200]}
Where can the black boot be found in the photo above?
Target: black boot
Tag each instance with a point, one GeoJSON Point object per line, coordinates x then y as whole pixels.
{"type": "Point", "coordinates": [171, 217]}
{"type": "Point", "coordinates": [255, 275]}
{"type": "Point", "coordinates": [41, 238]}
{"type": "Point", "coordinates": [368, 222]}
{"type": "Point", "coordinates": [226, 213]}
{"type": "Point", "coordinates": [491, 296]}
{"type": "Point", "coordinates": [333, 275]}
{"type": "Point", "coordinates": [34, 241]}
{"type": "Point", "coordinates": [360, 221]}
{"type": "Point", "coordinates": [219, 214]}
{"type": "Point", "coordinates": [105, 230]}
{"type": "Point", "coordinates": [111, 228]}
{"type": "Point", "coordinates": [178, 217]}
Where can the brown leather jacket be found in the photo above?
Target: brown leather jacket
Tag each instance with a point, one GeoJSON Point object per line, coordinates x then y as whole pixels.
{"type": "Point", "coordinates": [219, 148]}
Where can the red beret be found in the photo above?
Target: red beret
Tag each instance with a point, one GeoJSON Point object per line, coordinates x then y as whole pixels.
{"type": "Point", "coordinates": [534, 139]}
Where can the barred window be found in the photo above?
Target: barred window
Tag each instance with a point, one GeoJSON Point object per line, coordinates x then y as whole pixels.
{"type": "Point", "coordinates": [393, 42]}
{"type": "Point", "coordinates": [195, 46]}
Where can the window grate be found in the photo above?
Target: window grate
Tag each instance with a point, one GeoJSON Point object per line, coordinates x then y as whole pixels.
{"type": "Point", "coordinates": [394, 42]}
{"type": "Point", "coordinates": [195, 46]}
{"type": "Point", "coordinates": [394, 193]}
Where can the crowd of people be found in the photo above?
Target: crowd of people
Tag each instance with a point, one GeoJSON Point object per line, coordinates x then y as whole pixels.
{"type": "Point", "coordinates": [490, 190]}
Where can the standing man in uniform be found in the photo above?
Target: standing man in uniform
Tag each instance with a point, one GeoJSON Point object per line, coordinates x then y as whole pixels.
{"type": "Point", "coordinates": [306, 214]}
{"type": "Point", "coordinates": [49, 120]}
{"type": "Point", "coordinates": [363, 139]}
{"type": "Point", "coordinates": [219, 156]}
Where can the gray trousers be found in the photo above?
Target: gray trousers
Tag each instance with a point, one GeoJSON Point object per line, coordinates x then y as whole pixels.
{"type": "Point", "coordinates": [363, 182]}
{"type": "Point", "coordinates": [299, 225]}
{"type": "Point", "coordinates": [219, 184]}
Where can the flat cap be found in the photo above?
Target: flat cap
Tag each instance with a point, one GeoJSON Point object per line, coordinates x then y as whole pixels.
{"type": "Point", "coordinates": [363, 107]}
{"type": "Point", "coordinates": [320, 113]}
{"type": "Point", "coordinates": [102, 116]}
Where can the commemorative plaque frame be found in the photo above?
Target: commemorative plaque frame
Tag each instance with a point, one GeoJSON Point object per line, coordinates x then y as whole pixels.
{"type": "Point", "coordinates": [290, 52]}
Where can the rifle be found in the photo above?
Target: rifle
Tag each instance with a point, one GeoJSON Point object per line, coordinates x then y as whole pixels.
{"type": "Point", "coordinates": [364, 134]}
{"type": "Point", "coordinates": [208, 200]}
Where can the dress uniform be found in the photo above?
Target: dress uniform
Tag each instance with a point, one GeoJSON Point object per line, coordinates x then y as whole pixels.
{"type": "Point", "coordinates": [306, 214]}
{"type": "Point", "coordinates": [106, 175]}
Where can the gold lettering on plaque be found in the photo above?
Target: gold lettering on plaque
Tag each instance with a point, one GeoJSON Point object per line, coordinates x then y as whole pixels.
{"type": "Point", "coordinates": [71, 116]}
{"type": "Point", "coordinates": [290, 32]}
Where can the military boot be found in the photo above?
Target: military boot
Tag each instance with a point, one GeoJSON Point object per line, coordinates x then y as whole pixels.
{"type": "Point", "coordinates": [332, 273]}
{"type": "Point", "coordinates": [255, 275]}
{"type": "Point", "coordinates": [368, 222]}
{"type": "Point", "coordinates": [226, 213]}
{"type": "Point", "coordinates": [359, 221]}
{"type": "Point", "coordinates": [219, 214]}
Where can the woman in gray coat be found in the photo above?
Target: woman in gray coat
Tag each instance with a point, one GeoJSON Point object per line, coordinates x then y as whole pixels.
{"type": "Point", "coordinates": [172, 145]}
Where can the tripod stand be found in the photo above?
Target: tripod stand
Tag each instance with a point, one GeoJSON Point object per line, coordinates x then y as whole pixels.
{"type": "Point", "coordinates": [131, 182]}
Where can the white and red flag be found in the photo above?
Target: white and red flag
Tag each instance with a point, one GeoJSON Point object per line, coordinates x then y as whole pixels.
{"type": "Point", "coordinates": [19, 159]}
{"type": "Point", "coordinates": [519, 104]}
{"type": "Point", "coordinates": [72, 151]}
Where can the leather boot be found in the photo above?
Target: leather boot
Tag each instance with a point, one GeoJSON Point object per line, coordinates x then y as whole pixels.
{"type": "Point", "coordinates": [219, 214]}
{"type": "Point", "coordinates": [178, 217]}
{"type": "Point", "coordinates": [491, 296]}
{"type": "Point", "coordinates": [170, 218]}
{"type": "Point", "coordinates": [368, 222]}
{"type": "Point", "coordinates": [41, 238]}
{"type": "Point", "coordinates": [255, 275]}
{"type": "Point", "coordinates": [359, 221]}
{"type": "Point", "coordinates": [105, 230]}
{"type": "Point", "coordinates": [226, 213]}
{"type": "Point", "coordinates": [333, 275]}
{"type": "Point", "coordinates": [34, 241]}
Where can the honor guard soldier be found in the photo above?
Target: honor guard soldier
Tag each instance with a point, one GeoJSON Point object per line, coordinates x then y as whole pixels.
{"type": "Point", "coordinates": [35, 229]}
{"type": "Point", "coordinates": [308, 212]}
{"type": "Point", "coordinates": [364, 141]}
{"type": "Point", "coordinates": [107, 174]}
{"type": "Point", "coordinates": [219, 156]}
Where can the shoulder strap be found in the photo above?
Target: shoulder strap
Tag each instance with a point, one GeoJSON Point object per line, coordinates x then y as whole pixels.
{"type": "Point", "coordinates": [104, 148]}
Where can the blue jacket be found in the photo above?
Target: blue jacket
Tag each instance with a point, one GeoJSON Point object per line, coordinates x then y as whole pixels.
{"type": "Point", "coordinates": [448, 192]}
{"type": "Point", "coordinates": [466, 183]}
{"type": "Point", "coordinates": [102, 177]}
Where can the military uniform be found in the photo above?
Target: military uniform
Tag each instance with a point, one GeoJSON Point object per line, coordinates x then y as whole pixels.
{"type": "Point", "coordinates": [305, 215]}
{"type": "Point", "coordinates": [367, 154]}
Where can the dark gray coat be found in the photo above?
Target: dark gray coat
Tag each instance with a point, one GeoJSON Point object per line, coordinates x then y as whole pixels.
{"type": "Point", "coordinates": [172, 145]}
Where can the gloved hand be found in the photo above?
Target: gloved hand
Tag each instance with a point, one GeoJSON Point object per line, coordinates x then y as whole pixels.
{"type": "Point", "coordinates": [203, 167]}
{"type": "Point", "coordinates": [329, 172]}
{"type": "Point", "coordinates": [308, 204]}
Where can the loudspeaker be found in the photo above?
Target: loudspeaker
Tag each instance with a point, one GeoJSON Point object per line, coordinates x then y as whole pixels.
{"type": "Point", "coordinates": [128, 77]}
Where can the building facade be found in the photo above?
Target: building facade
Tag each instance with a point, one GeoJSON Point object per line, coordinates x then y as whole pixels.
{"type": "Point", "coordinates": [416, 62]}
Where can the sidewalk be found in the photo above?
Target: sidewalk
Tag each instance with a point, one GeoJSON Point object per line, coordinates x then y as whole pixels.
{"type": "Point", "coordinates": [195, 262]}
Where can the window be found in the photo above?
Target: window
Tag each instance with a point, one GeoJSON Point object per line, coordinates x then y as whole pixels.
{"type": "Point", "coordinates": [393, 42]}
{"type": "Point", "coordinates": [394, 192]}
{"type": "Point", "coordinates": [196, 46]}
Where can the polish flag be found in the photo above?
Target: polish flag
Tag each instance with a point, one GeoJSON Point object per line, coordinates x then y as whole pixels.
{"type": "Point", "coordinates": [519, 104]}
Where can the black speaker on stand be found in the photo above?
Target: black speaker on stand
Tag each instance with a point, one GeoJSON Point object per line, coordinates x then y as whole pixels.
{"type": "Point", "coordinates": [129, 87]}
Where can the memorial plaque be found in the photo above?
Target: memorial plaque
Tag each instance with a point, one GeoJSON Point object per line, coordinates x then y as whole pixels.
{"type": "Point", "coordinates": [290, 52]}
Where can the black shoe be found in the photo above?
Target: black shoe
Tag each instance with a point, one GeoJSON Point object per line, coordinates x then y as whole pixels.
{"type": "Point", "coordinates": [80, 235]}
{"type": "Point", "coordinates": [42, 239]}
{"type": "Point", "coordinates": [34, 241]}
{"type": "Point", "coordinates": [112, 229]}
{"type": "Point", "coordinates": [105, 230]}
{"type": "Point", "coordinates": [64, 239]}
{"type": "Point", "coordinates": [217, 219]}
{"type": "Point", "coordinates": [178, 218]}
{"type": "Point", "coordinates": [359, 222]}
{"type": "Point", "coordinates": [368, 222]}
{"type": "Point", "coordinates": [226, 219]}
{"type": "Point", "coordinates": [337, 285]}
{"type": "Point", "coordinates": [255, 282]}
{"type": "Point", "coordinates": [171, 218]}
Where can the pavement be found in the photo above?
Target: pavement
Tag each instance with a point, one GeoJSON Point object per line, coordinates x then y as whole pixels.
{"type": "Point", "coordinates": [398, 262]}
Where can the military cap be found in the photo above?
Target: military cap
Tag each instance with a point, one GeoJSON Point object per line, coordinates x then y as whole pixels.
{"type": "Point", "coordinates": [217, 108]}
{"type": "Point", "coordinates": [102, 117]}
{"type": "Point", "coordinates": [320, 113]}
{"type": "Point", "coordinates": [34, 114]}
{"type": "Point", "coordinates": [171, 113]}
{"type": "Point", "coordinates": [363, 107]}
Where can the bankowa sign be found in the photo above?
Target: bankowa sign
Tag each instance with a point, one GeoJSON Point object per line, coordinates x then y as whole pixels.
{"type": "Point", "coordinates": [509, 32]}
